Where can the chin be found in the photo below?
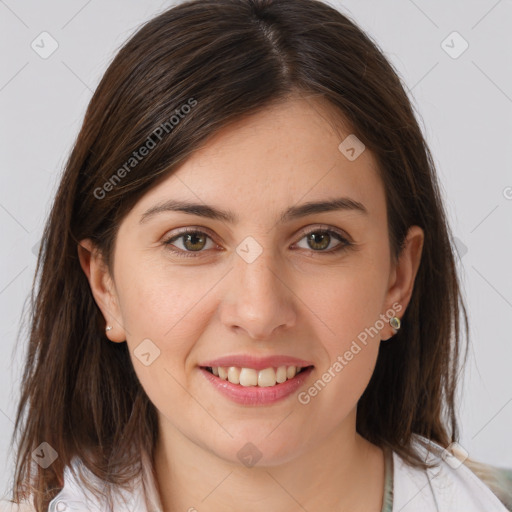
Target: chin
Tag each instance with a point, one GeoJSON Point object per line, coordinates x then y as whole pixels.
{"type": "Point", "coordinates": [253, 450]}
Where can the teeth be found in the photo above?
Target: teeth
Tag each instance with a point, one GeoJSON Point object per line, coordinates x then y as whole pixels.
{"type": "Point", "coordinates": [266, 378]}
{"type": "Point", "coordinates": [281, 374]}
{"type": "Point", "coordinates": [250, 377]}
{"type": "Point", "coordinates": [234, 375]}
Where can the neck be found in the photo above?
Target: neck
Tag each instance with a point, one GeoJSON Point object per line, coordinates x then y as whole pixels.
{"type": "Point", "coordinates": [341, 472]}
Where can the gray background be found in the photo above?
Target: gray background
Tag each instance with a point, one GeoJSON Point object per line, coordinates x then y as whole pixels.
{"type": "Point", "coordinates": [465, 109]}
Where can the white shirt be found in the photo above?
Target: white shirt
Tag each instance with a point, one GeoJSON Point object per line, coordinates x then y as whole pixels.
{"type": "Point", "coordinates": [449, 487]}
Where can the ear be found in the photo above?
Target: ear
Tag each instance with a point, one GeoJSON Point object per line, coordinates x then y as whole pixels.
{"type": "Point", "coordinates": [402, 276]}
{"type": "Point", "coordinates": [102, 287]}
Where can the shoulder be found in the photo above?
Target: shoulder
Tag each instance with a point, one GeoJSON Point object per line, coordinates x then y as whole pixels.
{"type": "Point", "coordinates": [74, 497]}
{"type": "Point", "coordinates": [499, 480]}
{"type": "Point", "coordinates": [447, 486]}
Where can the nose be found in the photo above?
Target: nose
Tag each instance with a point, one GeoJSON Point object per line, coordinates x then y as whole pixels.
{"type": "Point", "coordinates": [258, 298]}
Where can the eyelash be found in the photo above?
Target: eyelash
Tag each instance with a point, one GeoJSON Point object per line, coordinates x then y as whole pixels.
{"type": "Point", "coordinates": [345, 244]}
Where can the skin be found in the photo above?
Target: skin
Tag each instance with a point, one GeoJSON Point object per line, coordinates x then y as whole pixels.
{"type": "Point", "coordinates": [300, 302]}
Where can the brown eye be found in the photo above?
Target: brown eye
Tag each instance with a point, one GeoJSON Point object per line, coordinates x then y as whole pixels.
{"type": "Point", "coordinates": [191, 241]}
{"type": "Point", "coordinates": [194, 241]}
{"type": "Point", "coordinates": [320, 239]}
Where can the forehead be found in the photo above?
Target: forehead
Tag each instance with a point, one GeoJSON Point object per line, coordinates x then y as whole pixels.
{"type": "Point", "coordinates": [282, 155]}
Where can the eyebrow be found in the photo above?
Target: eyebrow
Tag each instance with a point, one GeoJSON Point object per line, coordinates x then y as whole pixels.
{"type": "Point", "coordinates": [292, 213]}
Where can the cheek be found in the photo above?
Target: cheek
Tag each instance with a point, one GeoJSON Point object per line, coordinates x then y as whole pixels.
{"type": "Point", "coordinates": [159, 299]}
{"type": "Point", "coordinates": [351, 310]}
{"type": "Point", "coordinates": [164, 316]}
{"type": "Point", "coordinates": [170, 307]}
{"type": "Point", "coordinates": [349, 304]}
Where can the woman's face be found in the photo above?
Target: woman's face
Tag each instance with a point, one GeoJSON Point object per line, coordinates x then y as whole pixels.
{"type": "Point", "coordinates": [260, 287]}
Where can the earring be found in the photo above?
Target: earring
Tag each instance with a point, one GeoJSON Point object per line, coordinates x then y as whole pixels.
{"type": "Point", "coordinates": [395, 323]}
{"type": "Point", "coordinates": [108, 328]}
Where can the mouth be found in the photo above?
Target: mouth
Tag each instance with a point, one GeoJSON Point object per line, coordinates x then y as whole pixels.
{"type": "Point", "coordinates": [257, 387]}
{"type": "Point", "coordinates": [250, 377]}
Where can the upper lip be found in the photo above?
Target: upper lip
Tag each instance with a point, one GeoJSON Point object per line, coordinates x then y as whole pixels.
{"type": "Point", "coordinates": [257, 363]}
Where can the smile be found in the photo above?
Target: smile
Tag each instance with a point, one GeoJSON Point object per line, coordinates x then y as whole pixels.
{"type": "Point", "coordinates": [246, 377]}
{"type": "Point", "coordinates": [256, 387]}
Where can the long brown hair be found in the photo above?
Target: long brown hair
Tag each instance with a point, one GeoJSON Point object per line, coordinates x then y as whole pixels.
{"type": "Point", "coordinates": [227, 58]}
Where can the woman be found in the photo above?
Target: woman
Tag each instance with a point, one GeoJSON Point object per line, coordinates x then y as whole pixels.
{"type": "Point", "coordinates": [248, 295]}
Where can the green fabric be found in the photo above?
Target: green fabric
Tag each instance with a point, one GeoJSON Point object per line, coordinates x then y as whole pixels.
{"type": "Point", "coordinates": [387, 505]}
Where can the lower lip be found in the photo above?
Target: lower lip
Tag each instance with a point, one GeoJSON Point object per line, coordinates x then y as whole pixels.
{"type": "Point", "coordinates": [255, 395]}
